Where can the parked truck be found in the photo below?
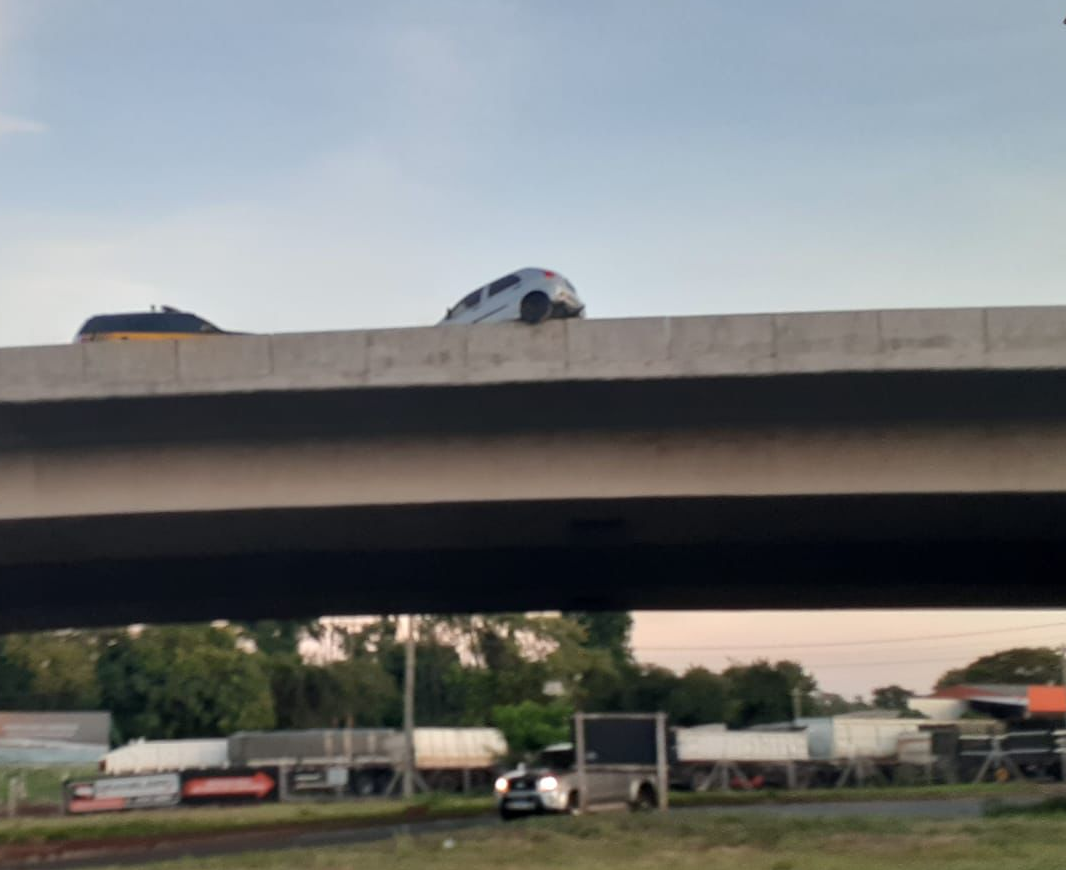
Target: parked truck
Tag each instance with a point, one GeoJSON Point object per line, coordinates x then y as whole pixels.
{"type": "Point", "coordinates": [155, 756]}
{"type": "Point", "coordinates": [705, 757]}
{"type": "Point", "coordinates": [362, 761]}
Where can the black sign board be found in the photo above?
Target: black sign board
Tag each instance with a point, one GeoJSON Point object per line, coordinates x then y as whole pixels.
{"type": "Point", "coordinates": [621, 740]}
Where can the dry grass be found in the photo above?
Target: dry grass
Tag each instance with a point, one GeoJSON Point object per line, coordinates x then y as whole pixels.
{"type": "Point", "coordinates": [207, 820]}
{"type": "Point", "coordinates": [216, 819]}
{"type": "Point", "coordinates": [694, 840]}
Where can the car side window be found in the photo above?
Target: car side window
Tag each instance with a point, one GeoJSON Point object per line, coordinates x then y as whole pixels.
{"type": "Point", "coordinates": [471, 300]}
{"type": "Point", "coordinates": [502, 284]}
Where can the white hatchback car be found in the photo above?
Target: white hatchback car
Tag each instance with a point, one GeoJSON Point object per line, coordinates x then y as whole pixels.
{"type": "Point", "coordinates": [530, 295]}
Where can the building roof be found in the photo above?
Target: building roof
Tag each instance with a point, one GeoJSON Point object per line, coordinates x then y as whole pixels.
{"type": "Point", "coordinates": [1008, 699]}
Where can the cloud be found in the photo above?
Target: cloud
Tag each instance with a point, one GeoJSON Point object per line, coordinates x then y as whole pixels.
{"type": "Point", "coordinates": [9, 125]}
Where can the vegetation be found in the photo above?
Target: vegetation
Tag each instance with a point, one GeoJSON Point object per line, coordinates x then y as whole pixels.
{"type": "Point", "coordinates": [892, 698]}
{"type": "Point", "coordinates": [525, 674]}
{"type": "Point", "coordinates": [1035, 665]}
{"type": "Point", "coordinates": [522, 673]}
{"type": "Point", "coordinates": [39, 786]}
{"type": "Point", "coordinates": [207, 820]}
{"type": "Point", "coordinates": [692, 840]}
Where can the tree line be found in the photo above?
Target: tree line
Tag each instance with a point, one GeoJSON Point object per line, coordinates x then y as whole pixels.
{"type": "Point", "coordinates": [525, 674]}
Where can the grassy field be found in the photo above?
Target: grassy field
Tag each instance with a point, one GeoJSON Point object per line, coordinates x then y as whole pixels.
{"type": "Point", "coordinates": [208, 820]}
{"type": "Point", "coordinates": [43, 785]}
{"type": "Point", "coordinates": [683, 841]}
{"type": "Point", "coordinates": [215, 819]}
{"type": "Point", "coordinates": [845, 795]}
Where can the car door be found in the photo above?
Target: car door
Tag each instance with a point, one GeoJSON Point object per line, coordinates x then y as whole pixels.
{"type": "Point", "coordinates": [501, 300]}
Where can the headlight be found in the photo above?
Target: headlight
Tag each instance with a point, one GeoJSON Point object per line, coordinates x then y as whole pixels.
{"type": "Point", "coordinates": [502, 785]}
{"type": "Point", "coordinates": [547, 783]}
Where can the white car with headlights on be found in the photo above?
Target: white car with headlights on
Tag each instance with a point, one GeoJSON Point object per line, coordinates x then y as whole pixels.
{"type": "Point", "coordinates": [551, 786]}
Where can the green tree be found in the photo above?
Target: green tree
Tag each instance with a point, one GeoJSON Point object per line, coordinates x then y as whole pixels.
{"type": "Point", "coordinates": [61, 669]}
{"type": "Point", "coordinates": [16, 681]}
{"type": "Point", "coordinates": [650, 688]}
{"type": "Point", "coordinates": [530, 726]}
{"type": "Point", "coordinates": [606, 630]}
{"type": "Point", "coordinates": [699, 697]}
{"type": "Point", "coordinates": [183, 681]}
{"type": "Point", "coordinates": [762, 692]}
{"type": "Point", "coordinates": [367, 695]}
{"type": "Point", "coordinates": [1021, 665]}
{"type": "Point", "coordinates": [278, 637]}
{"type": "Point", "coordinates": [892, 697]}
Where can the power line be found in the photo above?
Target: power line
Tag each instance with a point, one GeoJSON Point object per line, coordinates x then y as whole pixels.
{"type": "Point", "coordinates": [840, 643]}
{"type": "Point", "coordinates": [882, 664]}
{"type": "Point", "coordinates": [975, 646]}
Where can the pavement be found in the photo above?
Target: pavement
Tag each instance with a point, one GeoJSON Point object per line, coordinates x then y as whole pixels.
{"type": "Point", "coordinates": [952, 808]}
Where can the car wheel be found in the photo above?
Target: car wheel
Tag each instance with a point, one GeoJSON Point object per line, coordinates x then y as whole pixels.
{"type": "Point", "coordinates": [645, 801]}
{"type": "Point", "coordinates": [573, 804]}
{"type": "Point", "coordinates": [508, 816]}
{"type": "Point", "coordinates": [535, 308]}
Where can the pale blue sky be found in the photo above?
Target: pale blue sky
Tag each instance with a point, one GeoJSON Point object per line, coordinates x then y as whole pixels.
{"type": "Point", "coordinates": [280, 166]}
{"type": "Point", "coordinates": [328, 164]}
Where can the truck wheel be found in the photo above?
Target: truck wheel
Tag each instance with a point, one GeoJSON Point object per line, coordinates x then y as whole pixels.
{"type": "Point", "coordinates": [535, 308]}
{"type": "Point", "coordinates": [364, 784]}
{"type": "Point", "coordinates": [645, 801]}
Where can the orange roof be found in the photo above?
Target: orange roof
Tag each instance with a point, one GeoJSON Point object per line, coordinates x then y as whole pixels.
{"type": "Point", "coordinates": [1047, 699]}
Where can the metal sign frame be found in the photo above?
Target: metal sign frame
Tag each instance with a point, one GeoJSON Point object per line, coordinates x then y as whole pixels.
{"type": "Point", "coordinates": [662, 768]}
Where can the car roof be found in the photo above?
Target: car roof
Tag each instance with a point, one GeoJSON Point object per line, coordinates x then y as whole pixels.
{"type": "Point", "coordinates": [148, 321]}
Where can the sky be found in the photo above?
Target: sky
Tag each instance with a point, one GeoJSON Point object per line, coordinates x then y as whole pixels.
{"type": "Point", "coordinates": [282, 166]}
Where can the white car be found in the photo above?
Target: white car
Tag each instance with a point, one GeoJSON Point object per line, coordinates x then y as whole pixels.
{"type": "Point", "coordinates": [529, 295]}
{"type": "Point", "coordinates": [551, 785]}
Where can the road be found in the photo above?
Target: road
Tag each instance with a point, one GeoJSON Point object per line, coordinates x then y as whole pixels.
{"type": "Point", "coordinates": [956, 808]}
{"type": "Point", "coordinates": [228, 844]}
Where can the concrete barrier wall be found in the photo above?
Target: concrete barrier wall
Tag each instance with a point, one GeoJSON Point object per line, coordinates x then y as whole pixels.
{"type": "Point", "coordinates": [645, 348]}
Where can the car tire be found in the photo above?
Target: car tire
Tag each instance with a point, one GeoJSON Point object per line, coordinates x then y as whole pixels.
{"type": "Point", "coordinates": [535, 308]}
{"type": "Point", "coordinates": [645, 801]}
{"type": "Point", "coordinates": [508, 816]}
{"type": "Point", "coordinates": [573, 804]}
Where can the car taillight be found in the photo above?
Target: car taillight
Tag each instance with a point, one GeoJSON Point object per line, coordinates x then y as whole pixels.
{"type": "Point", "coordinates": [548, 274]}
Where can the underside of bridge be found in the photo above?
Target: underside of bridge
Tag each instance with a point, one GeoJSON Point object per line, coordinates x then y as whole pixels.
{"type": "Point", "coordinates": [986, 530]}
{"type": "Point", "coordinates": [679, 553]}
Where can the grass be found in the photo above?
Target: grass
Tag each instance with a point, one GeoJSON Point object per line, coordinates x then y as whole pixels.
{"type": "Point", "coordinates": [849, 795]}
{"type": "Point", "coordinates": [44, 785]}
{"type": "Point", "coordinates": [209, 820]}
{"type": "Point", "coordinates": [690, 841]}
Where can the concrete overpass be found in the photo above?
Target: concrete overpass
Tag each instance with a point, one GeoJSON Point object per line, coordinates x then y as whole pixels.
{"type": "Point", "coordinates": [876, 458]}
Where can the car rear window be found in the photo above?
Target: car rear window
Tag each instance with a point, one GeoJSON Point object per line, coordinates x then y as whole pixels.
{"type": "Point", "coordinates": [148, 322]}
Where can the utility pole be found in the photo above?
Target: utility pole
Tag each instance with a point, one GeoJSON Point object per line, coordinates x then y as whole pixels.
{"type": "Point", "coordinates": [1060, 738]}
{"type": "Point", "coordinates": [1062, 654]}
{"type": "Point", "coordinates": [797, 704]}
{"type": "Point", "coordinates": [409, 710]}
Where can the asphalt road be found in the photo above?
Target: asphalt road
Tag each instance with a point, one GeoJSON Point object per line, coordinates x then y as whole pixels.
{"type": "Point", "coordinates": [229, 844]}
{"type": "Point", "coordinates": [956, 808]}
